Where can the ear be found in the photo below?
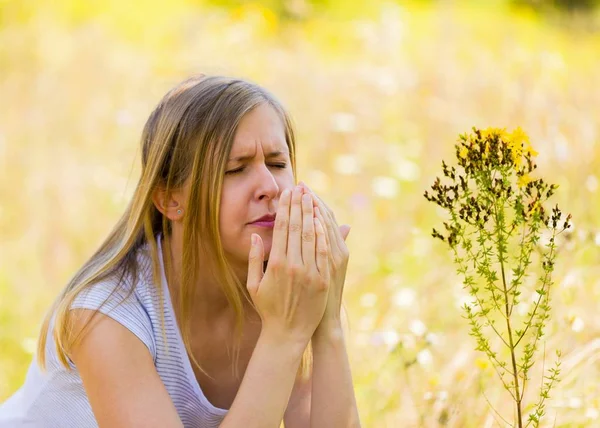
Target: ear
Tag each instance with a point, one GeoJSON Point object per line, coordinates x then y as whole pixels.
{"type": "Point", "coordinates": [170, 205]}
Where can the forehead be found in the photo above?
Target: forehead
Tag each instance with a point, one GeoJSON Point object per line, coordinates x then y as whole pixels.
{"type": "Point", "coordinates": [263, 126]}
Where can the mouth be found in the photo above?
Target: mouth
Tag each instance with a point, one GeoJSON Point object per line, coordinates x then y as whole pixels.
{"type": "Point", "coordinates": [266, 221]}
{"type": "Point", "coordinates": [264, 224]}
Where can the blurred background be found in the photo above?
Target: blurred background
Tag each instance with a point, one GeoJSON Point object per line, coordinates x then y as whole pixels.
{"type": "Point", "coordinates": [379, 92]}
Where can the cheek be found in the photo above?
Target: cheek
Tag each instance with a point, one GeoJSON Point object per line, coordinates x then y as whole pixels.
{"type": "Point", "coordinates": [231, 218]}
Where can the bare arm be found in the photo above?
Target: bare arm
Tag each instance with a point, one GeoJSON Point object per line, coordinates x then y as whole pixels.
{"type": "Point", "coordinates": [333, 403]}
{"type": "Point", "coordinates": [297, 414]}
{"type": "Point", "coordinates": [115, 366]}
{"type": "Point", "coordinates": [267, 385]}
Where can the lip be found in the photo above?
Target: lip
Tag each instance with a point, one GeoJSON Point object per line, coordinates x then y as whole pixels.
{"type": "Point", "coordinates": [264, 219]}
{"type": "Point", "coordinates": [266, 224]}
{"type": "Point", "coordinates": [267, 221]}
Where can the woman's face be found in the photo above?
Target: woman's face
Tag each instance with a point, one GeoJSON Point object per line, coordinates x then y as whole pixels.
{"type": "Point", "coordinates": [252, 184]}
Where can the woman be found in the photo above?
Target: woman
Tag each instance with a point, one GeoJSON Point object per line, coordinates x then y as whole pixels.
{"type": "Point", "coordinates": [198, 308]}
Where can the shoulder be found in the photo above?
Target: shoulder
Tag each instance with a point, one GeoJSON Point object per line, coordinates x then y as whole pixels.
{"type": "Point", "coordinates": [125, 297]}
{"type": "Point", "coordinates": [114, 366]}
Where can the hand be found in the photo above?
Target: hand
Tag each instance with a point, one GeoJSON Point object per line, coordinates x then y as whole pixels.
{"type": "Point", "coordinates": [291, 295]}
{"type": "Point", "coordinates": [338, 264]}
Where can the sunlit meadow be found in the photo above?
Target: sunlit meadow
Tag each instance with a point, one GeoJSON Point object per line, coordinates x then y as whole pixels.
{"type": "Point", "coordinates": [379, 94]}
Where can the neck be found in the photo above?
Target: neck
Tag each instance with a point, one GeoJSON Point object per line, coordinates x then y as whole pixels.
{"type": "Point", "coordinates": [209, 300]}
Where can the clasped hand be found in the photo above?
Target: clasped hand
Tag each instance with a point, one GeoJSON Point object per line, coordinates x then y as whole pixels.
{"type": "Point", "coordinates": [300, 293]}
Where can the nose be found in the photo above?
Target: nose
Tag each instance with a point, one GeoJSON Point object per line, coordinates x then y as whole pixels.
{"type": "Point", "coordinates": [266, 187]}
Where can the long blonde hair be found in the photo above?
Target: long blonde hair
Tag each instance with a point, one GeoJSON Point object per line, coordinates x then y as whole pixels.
{"type": "Point", "coordinates": [188, 136]}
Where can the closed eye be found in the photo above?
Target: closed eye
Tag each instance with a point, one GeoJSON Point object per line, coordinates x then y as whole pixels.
{"type": "Point", "coordinates": [275, 165]}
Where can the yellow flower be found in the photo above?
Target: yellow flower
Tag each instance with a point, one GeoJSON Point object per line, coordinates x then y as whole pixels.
{"type": "Point", "coordinates": [515, 142]}
{"type": "Point", "coordinates": [463, 152]}
{"type": "Point", "coordinates": [490, 132]}
{"type": "Point", "coordinates": [487, 132]}
{"type": "Point", "coordinates": [529, 149]}
{"type": "Point", "coordinates": [434, 380]}
{"type": "Point", "coordinates": [523, 180]}
{"type": "Point", "coordinates": [482, 363]}
{"type": "Point", "coordinates": [518, 136]}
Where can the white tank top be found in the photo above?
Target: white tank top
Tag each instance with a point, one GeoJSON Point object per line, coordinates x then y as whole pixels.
{"type": "Point", "coordinates": [56, 397]}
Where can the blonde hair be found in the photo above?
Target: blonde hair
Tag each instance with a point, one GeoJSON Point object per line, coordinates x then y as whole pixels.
{"type": "Point", "coordinates": [188, 136]}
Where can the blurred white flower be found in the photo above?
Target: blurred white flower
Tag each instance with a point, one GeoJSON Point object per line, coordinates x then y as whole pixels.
{"type": "Point", "coordinates": [571, 279]}
{"type": "Point", "coordinates": [465, 299]}
{"type": "Point", "coordinates": [361, 339]}
{"type": "Point", "coordinates": [523, 307]}
{"type": "Point", "coordinates": [575, 403]}
{"type": "Point", "coordinates": [417, 327]}
{"type": "Point", "coordinates": [359, 201]}
{"type": "Point", "coordinates": [392, 281]}
{"type": "Point", "coordinates": [404, 298]}
{"type": "Point", "coordinates": [124, 118]}
{"type": "Point", "coordinates": [390, 338]}
{"type": "Point", "coordinates": [366, 323]}
{"type": "Point", "coordinates": [406, 170]}
{"type": "Point", "coordinates": [385, 187]}
{"type": "Point", "coordinates": [347, 164]}
{"type": "Point", "coordinates": [29, 345]}
{"type": "Point", "coordinates": [433, 338]}
{"type": "Point", "coordinates": [386, 81]}
{"type": "Point", "coordinates": [592, 413]}
{"type": "Point", "coordinates": [577, 325]}
{"type": "Point", "coordinates": [318, 180]}
{"type": "Point", "coordinates": [552, 60]}
{"type": "Point", "coordinates": [591, 183]}
{"type": "Point", "coordinates": [422, 246]}
{"type": "Point", "coordinates": [428, 395]}
{"type": "Point", "coordinates": [442, 395]}
{"type": "Point", "coordinates": [368, 300]}
{"type": "Point", "coordinates": [408, 341]}
{"type": "Point", "coordinates": [343, 122]}
{"type": "Point", "coordinates": [561, 147]}
{"type": "Point", "coordinates": [424, 357]}
{"type": "Point", "coordinates": [597, 239]}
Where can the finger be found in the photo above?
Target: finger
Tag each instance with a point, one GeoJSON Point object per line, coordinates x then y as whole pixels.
{"type": "Point", "coordinates": [344, 231]}
{"type": "Point", "coordinates": [294, 253]}
{"type": "Point", "coordinates": [319, 202]}
{"type": "Point", "coordinates": [308, 231]}
{"type": "Point", "coordinates": [319, 215]}
{"type": "Point", "coordinates": [255, 264]}
{"type": "Point", "coordinates": [280, 230]}
{"type": "Point", "coordinates": [335, 232]}
{"type": "Point", "coordinates": [322, 255]}
{"type": "Point", "coordinates": [332, 240]}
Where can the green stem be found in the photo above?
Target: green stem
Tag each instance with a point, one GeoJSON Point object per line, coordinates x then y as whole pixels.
{"type": "Point", "coordinates": [508, 326]}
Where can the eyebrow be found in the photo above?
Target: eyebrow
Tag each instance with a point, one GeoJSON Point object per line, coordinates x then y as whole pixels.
{"type": "Point", "coordinates": [248, 157]}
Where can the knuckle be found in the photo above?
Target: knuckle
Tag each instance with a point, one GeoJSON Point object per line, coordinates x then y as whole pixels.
{"type": "Point", "coordinates": [281, 223]}
{"type": "Point", "coordinates": [322, 251]}
{"type": "Point", "coordinates": [294, 269]}
{"type": "Point", "coordinates": [322, 283]}
{"type": "Point", "coordinates": [308, 236]}
{"type": "Point", "coordinates": [275, 264]}
{"type": "Point", "coordinates": [295, 227]}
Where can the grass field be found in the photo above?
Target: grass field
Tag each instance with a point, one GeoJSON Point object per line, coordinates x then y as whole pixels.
{"type": "Point", "coordinates": [379, 98]}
